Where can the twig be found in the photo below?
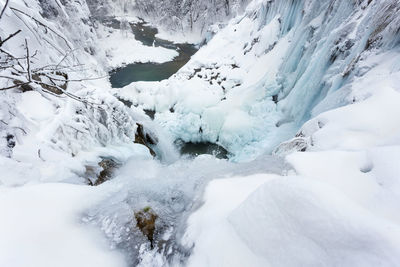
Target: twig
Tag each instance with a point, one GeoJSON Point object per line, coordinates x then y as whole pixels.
{"type": "Point", "coordinates": [19, 128]}
{"type": "Point", "coordinates": [75, 97]}
{"type": "Point", "coordinates": [9, 37]}
{"type": "Point", "coordinates": [28, 61]}
{"type": "Point", "coordinates": [76, 80]}
{"type": "Point", "coordinates": [42, 24]}
{"type": "Point", "coordinates": [8, 77]}
{"type": "Point", "coordinates": [16, 85]}
{"type": "Point", "coordinates": [4, 9]}
{"type": "Point", "coordinates": [52, 67]}
{"type": "Point", "coordinates": [65, 56]}
{"type": "Point", "coordinates": [39, 155]}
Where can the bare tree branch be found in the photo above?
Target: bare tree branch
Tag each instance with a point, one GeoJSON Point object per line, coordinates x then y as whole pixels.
{"type": "Point", "coordinates": [42, 24]}
{"type": "Point", "coordinates": [4, 9]}
{"type": "Point", "coordinates": [65, 56]}
{"type": "Point", "coordinates": [28, 59]}
{"type": "Point", "coordinates": [76, 80]}
{"type": "Point", "coordinates": [14, 86]}
{"type": "Point", "coordinates": [9, 37]}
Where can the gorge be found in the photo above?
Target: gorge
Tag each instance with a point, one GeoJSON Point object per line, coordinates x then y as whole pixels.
{"type": "Point", "coordinates": [199, 133]}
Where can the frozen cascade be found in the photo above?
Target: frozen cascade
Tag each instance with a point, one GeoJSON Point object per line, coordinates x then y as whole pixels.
{"type": "Point", "coordinates": [268, 71]}
{"type": "Point", "coordinates": [322, 72]}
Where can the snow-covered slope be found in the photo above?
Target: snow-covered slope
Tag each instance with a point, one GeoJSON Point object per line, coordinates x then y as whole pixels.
{"type": "Point", "coordinates": [315, 82]}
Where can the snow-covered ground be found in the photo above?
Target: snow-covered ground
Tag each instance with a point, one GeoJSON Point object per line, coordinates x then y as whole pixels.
{"type": "Point", "coordinates": [40, 227]}
{"type": "Point", "coordinates": [316, 83]}
{"type": "Point", "coordinates": [121, 48]}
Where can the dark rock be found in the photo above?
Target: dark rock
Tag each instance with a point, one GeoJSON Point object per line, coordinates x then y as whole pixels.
{"type": "Point", "coordinates": [150, 113]}
{"type": "Point", "coordinates": [58, 84]}
{"type": "Point", "coordinates": [23, 87]}
{"type": "Point", "coordinates": [108, 165]}
{"type": "Point", "coordinates": [146, 222]}
{"type": "Point", "coordinates": [145, 139]}
{"type": "Point", "coordinates": [10, 141]}
{"type": "Point", "coordinates": [275, 99]}
{"type": "Point", "coordinates": [125, 102]}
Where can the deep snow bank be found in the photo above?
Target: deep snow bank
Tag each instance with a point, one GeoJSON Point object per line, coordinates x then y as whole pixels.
{"type": "Point", "coordinates": [267, 220]}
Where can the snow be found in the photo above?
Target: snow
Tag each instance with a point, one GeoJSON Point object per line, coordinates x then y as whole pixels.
{"type": "Point", "coordinates": [292, 221]}
{"type": "Point", "coordinates": [116, 43]}
{"type": "Point", "coordinates": [269, 220]}
{"type": "Point", "coordinates": [320, 76]}
{"type": "Point", "coordinates": [215, 241]}
{"type": "Point", "coordinates": [35, 107]}
{"type": "Point", "coordinates": [187, 21]}
{"type": "Point", "coordinates": [338, 207]}
{"type": "Point", "coordinates": [40, 227]}
{"type": "Point", "coordinates": [261, 65]}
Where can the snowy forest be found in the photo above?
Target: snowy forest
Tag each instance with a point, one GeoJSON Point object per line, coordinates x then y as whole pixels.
{"type": "Point", "coordinates": [209, 133]}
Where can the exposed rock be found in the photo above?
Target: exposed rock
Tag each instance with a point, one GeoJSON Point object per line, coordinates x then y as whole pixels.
{"type": "Point", "coordinates": [146, 222]}
{"type": "Point", "coordinates": [150, 113]}
{"type": "Point", "coordinates": [23, 87]}
{"type": "Point", "coordinates": [293, 145]}
{"type": "Point", "coordinates": [10, 141]}
{"type": "Point", "coordinates": [145, 139]}
{"type": "Point", "coordinates": [107, 166]}
{"type": "Point", "coordinates": [125, 102]}
{"type": "Point", "coordinates": [275, 99]}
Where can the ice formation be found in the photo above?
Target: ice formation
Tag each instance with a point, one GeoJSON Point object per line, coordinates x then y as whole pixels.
{"type": "Point", "coordinates": [315, 83]}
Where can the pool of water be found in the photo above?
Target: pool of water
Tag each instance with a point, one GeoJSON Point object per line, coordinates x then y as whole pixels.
{"type": "Point", "coordinates": [149, 71]}
{"type": "Point", "coordinates": [196, 149]}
